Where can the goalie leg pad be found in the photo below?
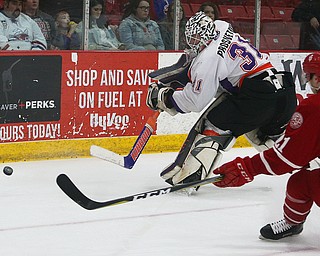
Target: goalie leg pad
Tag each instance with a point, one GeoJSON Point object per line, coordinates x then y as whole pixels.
{"type": "Point", "coordinates": [203, 158]}
{"type": "Point", "coordinates": [200, 160]}
{"type": "Point", "coordinates": [192, 138]}
{"type": "Point", "coordinates": [173, 169]}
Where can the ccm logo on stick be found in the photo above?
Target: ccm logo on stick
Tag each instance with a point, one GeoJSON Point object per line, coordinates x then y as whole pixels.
{"type": "Point", "coordinates": [150, 194]}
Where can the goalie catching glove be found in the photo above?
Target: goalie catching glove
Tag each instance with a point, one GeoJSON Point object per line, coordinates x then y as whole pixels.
{"type": "Point", "coordinates": [235, 173]}
{"type": "Point", "coordinates": [159, 98]}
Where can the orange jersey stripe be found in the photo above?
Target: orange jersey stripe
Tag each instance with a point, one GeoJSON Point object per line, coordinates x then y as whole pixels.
{"type": "Point", "coordinates": [252, 72]}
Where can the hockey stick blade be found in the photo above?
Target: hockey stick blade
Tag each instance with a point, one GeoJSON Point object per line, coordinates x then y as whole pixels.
{"type": "Point", "coordinates": [129, 160]}
{"type": "Point", "coordinates": [71, 190]}
{"type": "Point", "coordinates": [107, 155]}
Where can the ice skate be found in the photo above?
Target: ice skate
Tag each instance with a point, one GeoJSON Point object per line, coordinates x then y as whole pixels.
{"type": "Point", "coordinates": [280, 229]}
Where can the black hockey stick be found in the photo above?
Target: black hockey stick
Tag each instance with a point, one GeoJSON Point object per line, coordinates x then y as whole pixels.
{"type": "Point", "coordinates": [71, 190]}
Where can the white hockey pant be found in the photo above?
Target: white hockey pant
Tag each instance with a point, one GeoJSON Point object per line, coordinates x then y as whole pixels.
{"type": "Point", "coordinates": [258, 144]}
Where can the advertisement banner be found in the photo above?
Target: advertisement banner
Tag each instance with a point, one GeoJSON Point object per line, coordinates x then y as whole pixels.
{"type": "Point", "coordinates": [30, 93]}
{"type": "Point", "coordinates": [105, 93]}
{"type": "Point", "coordinates": [66, 95]}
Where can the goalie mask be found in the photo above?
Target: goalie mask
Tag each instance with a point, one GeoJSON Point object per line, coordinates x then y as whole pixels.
{"type": "Point", "coordinates": [200, 30]}
{"type": "Point", "coordinates": [311, 65]}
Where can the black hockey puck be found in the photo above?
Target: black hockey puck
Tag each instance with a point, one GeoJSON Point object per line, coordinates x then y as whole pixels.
{"type": "Point", "coordinates": [7, 170]}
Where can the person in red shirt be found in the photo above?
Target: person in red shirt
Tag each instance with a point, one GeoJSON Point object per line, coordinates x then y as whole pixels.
{"type": "Point", "coordinates": [297, 150]}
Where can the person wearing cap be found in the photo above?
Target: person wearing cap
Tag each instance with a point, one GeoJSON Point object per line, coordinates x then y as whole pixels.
{"type": "Point", "coordinates": [297, 150]}
{"type": "Point", "coordinates": [17, 30]}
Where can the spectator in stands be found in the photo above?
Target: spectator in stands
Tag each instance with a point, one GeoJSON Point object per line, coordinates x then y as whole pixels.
{"type": "Point", "coordinates": [210, 9]}
{"type": "Point", "coordinates": [308, 12]}
{"type": "Point", "coordinates": [167, 29]}
{"type": "Point", "coordinates": [101, 36]}
{"type": "Point", "coordinates": [160, 9]}
{"type": "Point", "coordinates": [17, 30]}
{"type": "Point", "coordinates": [44, 20]}
{"type": "Point", "coordinates": [137, 31]}
{"type": "Point", "coordinates": [73, 7]}
{"type": "Point", "coordinates": [66, 37]}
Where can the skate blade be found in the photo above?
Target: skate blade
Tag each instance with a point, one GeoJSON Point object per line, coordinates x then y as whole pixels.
{"type": "Point", "coordinates": [277, 240]}
{"type": "Point", "coordinates": [266, 239]}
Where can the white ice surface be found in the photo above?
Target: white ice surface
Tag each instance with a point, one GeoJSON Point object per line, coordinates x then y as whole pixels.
{"type": "Point", "coordinates": [38, 219]}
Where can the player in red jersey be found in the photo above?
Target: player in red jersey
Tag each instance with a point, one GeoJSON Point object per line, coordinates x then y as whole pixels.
{"type": "Point", "coordinates": [298, 149]}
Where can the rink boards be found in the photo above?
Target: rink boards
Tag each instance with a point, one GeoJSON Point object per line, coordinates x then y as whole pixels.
{"type": "Point", "coordinates": [57, 104]}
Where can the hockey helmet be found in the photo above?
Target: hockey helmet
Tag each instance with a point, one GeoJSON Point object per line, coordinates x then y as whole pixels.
{"type": "Point", "coordinates": [311, 64]}
{"type": "Point", "coordinates": [200, 29]}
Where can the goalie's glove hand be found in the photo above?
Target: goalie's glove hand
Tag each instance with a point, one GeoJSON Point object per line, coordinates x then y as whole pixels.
{"type": "Point", "coordinates": [235, 173]}
{"type": "Point", "coordinates": [158, 98]}
{"type": "Point", "coordinates": [152, 97]}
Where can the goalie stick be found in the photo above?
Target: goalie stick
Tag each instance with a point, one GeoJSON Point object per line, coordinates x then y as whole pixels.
{"type": "Point", "coordinates": [71, 190]}
{"type": "Point", "coordinates": [176, 73]}
{"type": "Point", "coordinates": [129, 160]}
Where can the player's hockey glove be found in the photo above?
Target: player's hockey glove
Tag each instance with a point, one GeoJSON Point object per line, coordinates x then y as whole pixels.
{"type": "Point", "coordinates": [158, 98]}
{"type": "Point", "coordinates": [235, 173]}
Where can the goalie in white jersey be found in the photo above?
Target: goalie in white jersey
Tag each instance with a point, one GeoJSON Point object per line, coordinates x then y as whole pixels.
{"type": "Point", "coordinates": [238, 89]}
{"type": "Point", "coordinates": [17, 30]}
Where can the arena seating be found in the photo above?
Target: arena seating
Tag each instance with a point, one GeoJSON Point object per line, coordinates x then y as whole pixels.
{"type": "Point", "coordinates": [266, 13]}
{"type": "Point", "coordinates": [282, 3]}
{"type": "Point", "coordinates": [234, 12]}
{"type": "Point", "coordinates": [279, 42]}
{"type": "Point", "coordinates": [292, 28]}
{"type": "Point", "coordinates": [277, 28]}
{"type": "Point", "coordinates": [243, 27]}
{"type": "Point", "coordinates": [279, 3]}
{"type": "Point", "coordinates": [195, 7]}
{"type": "Point", "coordinates": [250, 38]}
{"type": "Point", "coordinates": [273, 28]}
{"type": "Point", "coordinates": [283, 13]}
{"type": "Point", "coordinates": [188, 12]}
{"type": "Point", "coordinates": [296, 41]}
